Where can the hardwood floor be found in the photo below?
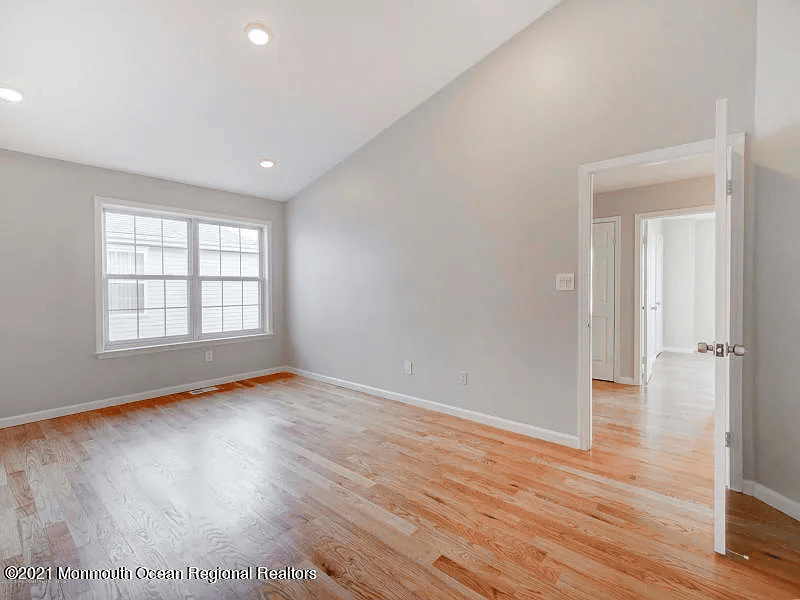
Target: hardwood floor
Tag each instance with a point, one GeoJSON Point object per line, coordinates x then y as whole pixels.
{"type": "Point", "coordinates": [383, 500]}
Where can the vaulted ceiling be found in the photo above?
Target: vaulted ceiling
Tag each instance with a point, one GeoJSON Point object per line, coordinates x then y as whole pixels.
{"type": "Point", "coordinates": [174, 89]}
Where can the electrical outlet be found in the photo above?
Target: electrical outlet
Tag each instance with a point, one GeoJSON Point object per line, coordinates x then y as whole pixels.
{"type": "Point", "coordinates": [209, 355]}
{"type": "Point", "coordinates": [463, 378]}
{"type": "Point", "coordinates": [408, 368]}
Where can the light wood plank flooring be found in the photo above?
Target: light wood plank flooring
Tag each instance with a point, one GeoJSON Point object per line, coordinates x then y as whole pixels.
{"type": "Point", "coordinates": [384, 500]}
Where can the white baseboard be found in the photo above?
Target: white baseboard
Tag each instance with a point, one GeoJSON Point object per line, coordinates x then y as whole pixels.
{"type": "Point", "coordinates": [773, 498]}
{"type": "Point", "coordinates": [531, 431]}
{"type": "Point", "coordinates": [625, 380]}
{"type": "Point", "coordinates": [679, 350]}
{"type": "Point", "coordinates": [61, 411]}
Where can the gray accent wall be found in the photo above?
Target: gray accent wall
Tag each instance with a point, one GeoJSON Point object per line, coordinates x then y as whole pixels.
{"type": "Point", "coordinates": [439, 241]}
{"type": "Point", "coordinates": [47, 329]}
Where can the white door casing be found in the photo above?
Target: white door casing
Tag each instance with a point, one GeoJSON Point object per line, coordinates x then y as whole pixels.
{"type": "Point", "coordinates": [603, 299]}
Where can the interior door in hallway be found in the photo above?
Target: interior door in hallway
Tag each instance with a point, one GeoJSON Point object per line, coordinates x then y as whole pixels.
{"type": "Point", "coordinates": [654, 286]}
{"type": "Point", "coordinates": [603, 299]}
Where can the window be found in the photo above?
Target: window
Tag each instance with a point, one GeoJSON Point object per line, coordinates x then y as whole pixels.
{"type": "Point", "coordinates": [170, 278]}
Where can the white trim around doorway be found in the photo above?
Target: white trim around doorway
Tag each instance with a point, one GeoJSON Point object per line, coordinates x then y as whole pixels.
{"type": "Point", "coordinates": [585, 209]}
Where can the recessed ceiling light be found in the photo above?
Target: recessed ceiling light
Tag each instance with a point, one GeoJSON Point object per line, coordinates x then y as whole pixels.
{"type": "Point", "coordinates": [267, 163]}
{"type": "Point", "coordinates": [10, 95]}
{"type": "Point", "coordinates": [257, 33]}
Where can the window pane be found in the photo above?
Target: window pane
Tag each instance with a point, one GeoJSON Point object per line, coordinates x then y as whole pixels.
{"type": "Point", "coordinates": [229, 238]}
{"type": "Point", "coordinates": [250, 317]}
{"type": "Point", "coordinates": [176, 261]}
{"type": "Point", "coordinates": [153, 294]}
{"type": "Point", "coordinates": [211, 293]}
{"type": "Point", "coordinates": [176, 247]}
{"type": "Point", "coordinates": [123, 294]}
{"type": "Point", "coordinates": [121, 259]}
{"type": "Point", "coordinates": [249, 239]}
{"type": "Point", "coordinates": [148, 230]}
{"type": "Point", "coordinates": [176, 234]}
{"type": "Point", "coordinates": [177, 321]}
{"type": "Point", "coordinates": [150, 260]}
{"type": "Point", "coordinates": [122, 325]}
{"type": "Point", "coordinates": [208, 236]}
{"type": "Point", "coordinates": [151, 323]}
{"type": "Point", "coordinates": [212, 320]}
{"type": "Point", "coordinates": [250, 292]}
{"type": "Point", "coordinates": [176, 294]}
{"type": "Point", "coordinates": [232, 318]}
{"type": "Point", "coordinates": [118, 228]}
{"type": "Point", "coordinates": [250, 265]}
{"type": "Point", "coordinates": [209, 263]}
{"type": "Point", "coordinates": [232, 293]}
{"type": "Point", "coordinates": [230, 264]}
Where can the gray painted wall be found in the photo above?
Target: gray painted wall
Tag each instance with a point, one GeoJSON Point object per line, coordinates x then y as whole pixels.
{"type": "Point", "coordinates": [47, 332]}
{"type": "Point", "coordinates": [626, 204]}
{"type": "Point", "coordinates": [440, 240]}
{"type": "Point", "coordinates": [773, 409]}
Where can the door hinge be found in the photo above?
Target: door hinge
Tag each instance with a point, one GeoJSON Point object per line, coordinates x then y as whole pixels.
{"type": "Point", "coordinates": [730, 187]}
{"type": "Point", "coordinates": [728, 439]}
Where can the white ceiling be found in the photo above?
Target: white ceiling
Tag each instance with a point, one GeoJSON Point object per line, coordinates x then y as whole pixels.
{"type": "Point", "coordinates": [640, 175]}
{"type": "Point", "coordinates": [173, 88]}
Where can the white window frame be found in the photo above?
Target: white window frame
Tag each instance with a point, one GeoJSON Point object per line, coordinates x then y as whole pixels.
{"type": "Point", "coordinates": [195, 338]}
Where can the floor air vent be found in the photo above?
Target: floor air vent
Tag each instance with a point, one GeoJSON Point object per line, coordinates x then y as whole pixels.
{"type": "Point", "coordinates": [204, 390]}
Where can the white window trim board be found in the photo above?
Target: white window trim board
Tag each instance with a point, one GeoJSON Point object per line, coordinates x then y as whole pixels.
{"type": "Point", "coordinates": [103, 350]}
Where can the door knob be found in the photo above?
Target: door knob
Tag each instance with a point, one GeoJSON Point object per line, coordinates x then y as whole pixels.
{"type": "Point", "coordinates": [737, 350]}
{"type": "Point", "coordinates": [722, 350]}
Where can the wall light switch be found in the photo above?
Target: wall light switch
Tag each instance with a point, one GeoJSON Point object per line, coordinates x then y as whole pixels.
{"type": "Point", "coordinates": [565, 282]}
{"type": "Point", "coordinates": [408, 368]}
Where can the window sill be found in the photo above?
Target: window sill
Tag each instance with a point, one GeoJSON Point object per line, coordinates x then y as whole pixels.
{"type": "Point", "coordinates": [183, 345]}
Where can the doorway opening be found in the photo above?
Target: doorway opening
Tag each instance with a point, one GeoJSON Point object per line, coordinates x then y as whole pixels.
{"type": "Point", "coordinates": [658, 423]}
{"type": "Point", "coordinates": [675, 287]}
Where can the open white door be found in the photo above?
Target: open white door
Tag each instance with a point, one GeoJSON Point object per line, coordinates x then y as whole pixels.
{"type": "Point", "coordinates": [728, 284]}
{"type": "Point", "coordinates": [722, 328]}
